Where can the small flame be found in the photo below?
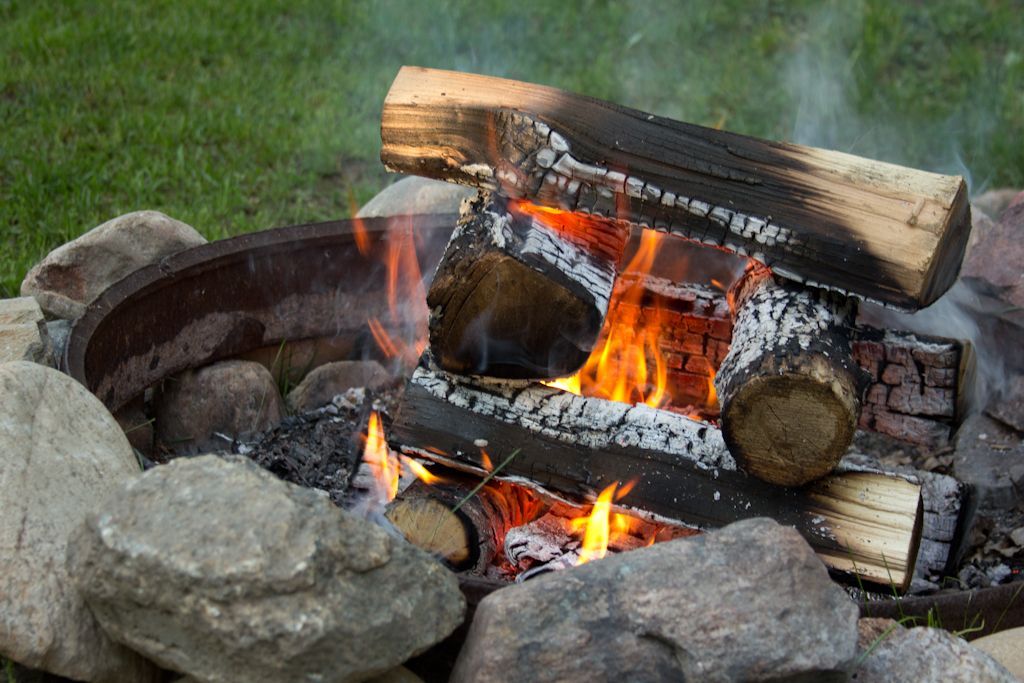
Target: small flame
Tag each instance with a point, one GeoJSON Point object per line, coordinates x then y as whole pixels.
{"type": "Point", "coordinates": [382, 463]}
{"type": "Point", "coordinates": [359, 234]}
{"type": "Point", "coordinates": [712, 399]}
{"type": "Point", "coordinates": [485, 461]}
{"type": "Point", "coordinates": [596, 527]}
{"type": "Point", "coordinates": [421, 472]}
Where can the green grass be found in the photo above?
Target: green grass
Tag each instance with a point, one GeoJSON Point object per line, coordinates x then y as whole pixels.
{"type": "Point", "coordinates": [239, 115]}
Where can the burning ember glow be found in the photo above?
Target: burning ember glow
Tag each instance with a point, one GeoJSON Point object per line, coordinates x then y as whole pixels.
{"type": "Point", "coordinates": [383, 464]}
{"type": "Point", "coordinates": [628, 365]}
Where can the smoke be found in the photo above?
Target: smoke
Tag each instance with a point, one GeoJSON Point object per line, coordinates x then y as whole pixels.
{"type": "Point", "coordinates": [822, 80]}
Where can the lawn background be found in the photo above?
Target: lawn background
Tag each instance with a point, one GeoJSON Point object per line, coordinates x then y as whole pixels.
{"type": "Point", "coordinates": [239, 115]}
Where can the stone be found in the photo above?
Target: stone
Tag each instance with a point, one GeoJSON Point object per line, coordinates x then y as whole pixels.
{"type": "Point", "coordinates": [71, 276]}
{"type": "Point", "coordinates": [414, 194]}
{"type": "Point", "coordinates": [749, 602]}
{"type": "Point", "coordinates": [990, 457]}
{"type": "Point", "coordinates": [921, 655]}
{"type": "Point", "coordinates": [996, 254]}
{"type": "Point", "coordinates": [327, 381]}
{"type": "Point", "coordinates": [1006, 647]}
{"type": "Point", "coordinates": [1008, 406]}
{"type": "Point", "coordinates": [59, 332]}
{"type": "Point", "coordinates": [214, 568]}
{"type": "Point", "coordinates": [137, 425]}
{"type": "Point", "coordinates": [995, 201]}
{"type": "Point", "coordinates": [61, 455]}
{"type": "Point", "coordinates": [205, 409]}
{"type": "Point", "coordinates": [397, 675]}
{"type": "Point", "coordinates": [23, 334]}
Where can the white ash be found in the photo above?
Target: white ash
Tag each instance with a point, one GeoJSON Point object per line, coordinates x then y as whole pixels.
{"type": "Point", "coordinates": [591, 422]}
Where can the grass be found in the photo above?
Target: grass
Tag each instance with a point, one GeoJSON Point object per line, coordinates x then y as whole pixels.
{"type": "Point", "coordinates": [240, 115]}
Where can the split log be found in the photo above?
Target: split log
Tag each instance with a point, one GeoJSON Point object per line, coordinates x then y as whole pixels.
{"type": "Point", "coordinates": [519, 296]}
{"type": "Point", "coordinates": [863, 227]}
{"type": "Point", "coordinates": [789, 390]}
{"type": "Point", "coordinates": [466, 530]}
{"type": "Point", "coordinates": [918, 384]}
{"type": "Point", "coordinates": [859, 522]}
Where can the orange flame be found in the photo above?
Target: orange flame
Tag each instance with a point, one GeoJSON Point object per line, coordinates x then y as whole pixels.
{"type": "Point", "coordinates": [597, 530]}
{"type": "Point", "coordinates": [712, 399]}
{"type": "Point", "coordinates": [628, 365]}
{"type": "Point", "coordinates": [382, 463]}
{"type": "Point", "coordinates": [421, 472]}
{"type": "Point", "coordinates": [485, 461]}
{"type": "Point", "coordinates": [359, 234]}
{"type": "Point", "coordinates": [404, 290]}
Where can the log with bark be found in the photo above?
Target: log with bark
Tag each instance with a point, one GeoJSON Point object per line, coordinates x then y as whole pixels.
{"type": "Point", "coordinates": [860, 522]}
{"type": "Point", "coordinates": [789, 389]}
{"type": "Point", "coordinates": [460, 524]}
{"type": "Point", "coordinates": [876, 230]}
{"type": "Point", "coordinates": [517, 295]}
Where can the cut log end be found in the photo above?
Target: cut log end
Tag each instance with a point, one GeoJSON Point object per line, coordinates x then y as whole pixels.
{"type": "Point", "coordinates": [431, 525]}
{"type": "Point", "coordinates": [758, 426]}
{"type": "Point", "coordinates": [508, 320]}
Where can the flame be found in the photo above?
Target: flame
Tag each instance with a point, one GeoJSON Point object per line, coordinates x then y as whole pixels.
{"type": "Point", "coordinates": [712, 399]}
{"type": "Point", "coordinates": [421, 472]}
{"type": "Point", "coordinates": [404, 290]}
{"type": "Point", "coordinates": [359, 234]}
{"type": "Point", "coordinates": [596, 527]}
{"type": "Point", "coordinates": [485, 461]}
{"type": "Point", "coordinates": [382, 463]}
{"type": "Point", "coordinates": [628, 365]}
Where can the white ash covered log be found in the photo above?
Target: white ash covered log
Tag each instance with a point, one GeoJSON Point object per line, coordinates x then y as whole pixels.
{"type": "Point", "coordinates": [576, 446]}
{"type": "Point", "coordinates": [516, 296]}
{"type": "Point", "coordinates": [863, 227]}
{"type": "Point", "coordinates": [789, 389]}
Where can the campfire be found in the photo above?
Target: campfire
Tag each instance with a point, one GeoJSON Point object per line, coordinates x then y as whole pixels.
{"type": "Point", "coordinates": [586, 378]}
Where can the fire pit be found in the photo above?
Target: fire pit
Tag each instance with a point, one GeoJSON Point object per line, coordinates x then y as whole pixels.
{"type": "Point", "coordinates": [579, 380]}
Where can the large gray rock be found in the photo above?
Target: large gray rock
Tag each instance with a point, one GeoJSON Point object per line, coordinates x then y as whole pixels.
{"type": "Point", "coordinates": [202, 410]}
{"type": "Point", "coordinates": [70, 277]}
{"type": "Point", "coordinates": [750, 602]}
{"type": "Point", "coordinates": [921, 655]}
{"type": "Point", "coordinates": [990, 457]}
{"type": "Point", "coordinates": [61, 455]}
{"type": "Point", "coordinates": [327, 381]}
{"type": "Point", "coordinates": [23, 334]}
{"type": "Point", "coordinates": [216, 569]}
{"type": "Point", "coordinates": [416, 195]}
{"type": "Point", "coordinates": [994, 202]}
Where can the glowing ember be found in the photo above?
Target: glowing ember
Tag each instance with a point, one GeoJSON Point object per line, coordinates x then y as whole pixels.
{"type": "Point", "coordinates": [382, 463]}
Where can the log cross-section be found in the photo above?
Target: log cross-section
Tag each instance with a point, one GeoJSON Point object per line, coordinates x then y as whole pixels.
{"type": "Point", "coordinates": [876, 230]}
{"type": "Point", "coordinates": [518, 295]}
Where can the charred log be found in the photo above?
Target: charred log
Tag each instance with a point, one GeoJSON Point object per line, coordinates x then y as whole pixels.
{"type": "Point", "coordinates": [464, 529]}
{"type": "Point", "coordinates": [789, 389]}
{"type": "Point", "coordinates": [516, 297]}
{"type": "Point", "coordinates": [575, 446]}
{"type": "Point", "coordinates": [863, 227]}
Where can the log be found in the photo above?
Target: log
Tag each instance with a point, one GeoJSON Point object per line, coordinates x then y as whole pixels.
{"type": "Point", "coordinates": [865, 524]}
{"type": "Point", "coordinates": [789, 389]}
{"type": "Point", "coordinates": [465, 530]}
{"type": "Point", "coordinates": [871, 229]}
{"type": "Point", "coordinates": [934, 373]}
{"type": "Point", "coordinates": [518, 296]}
